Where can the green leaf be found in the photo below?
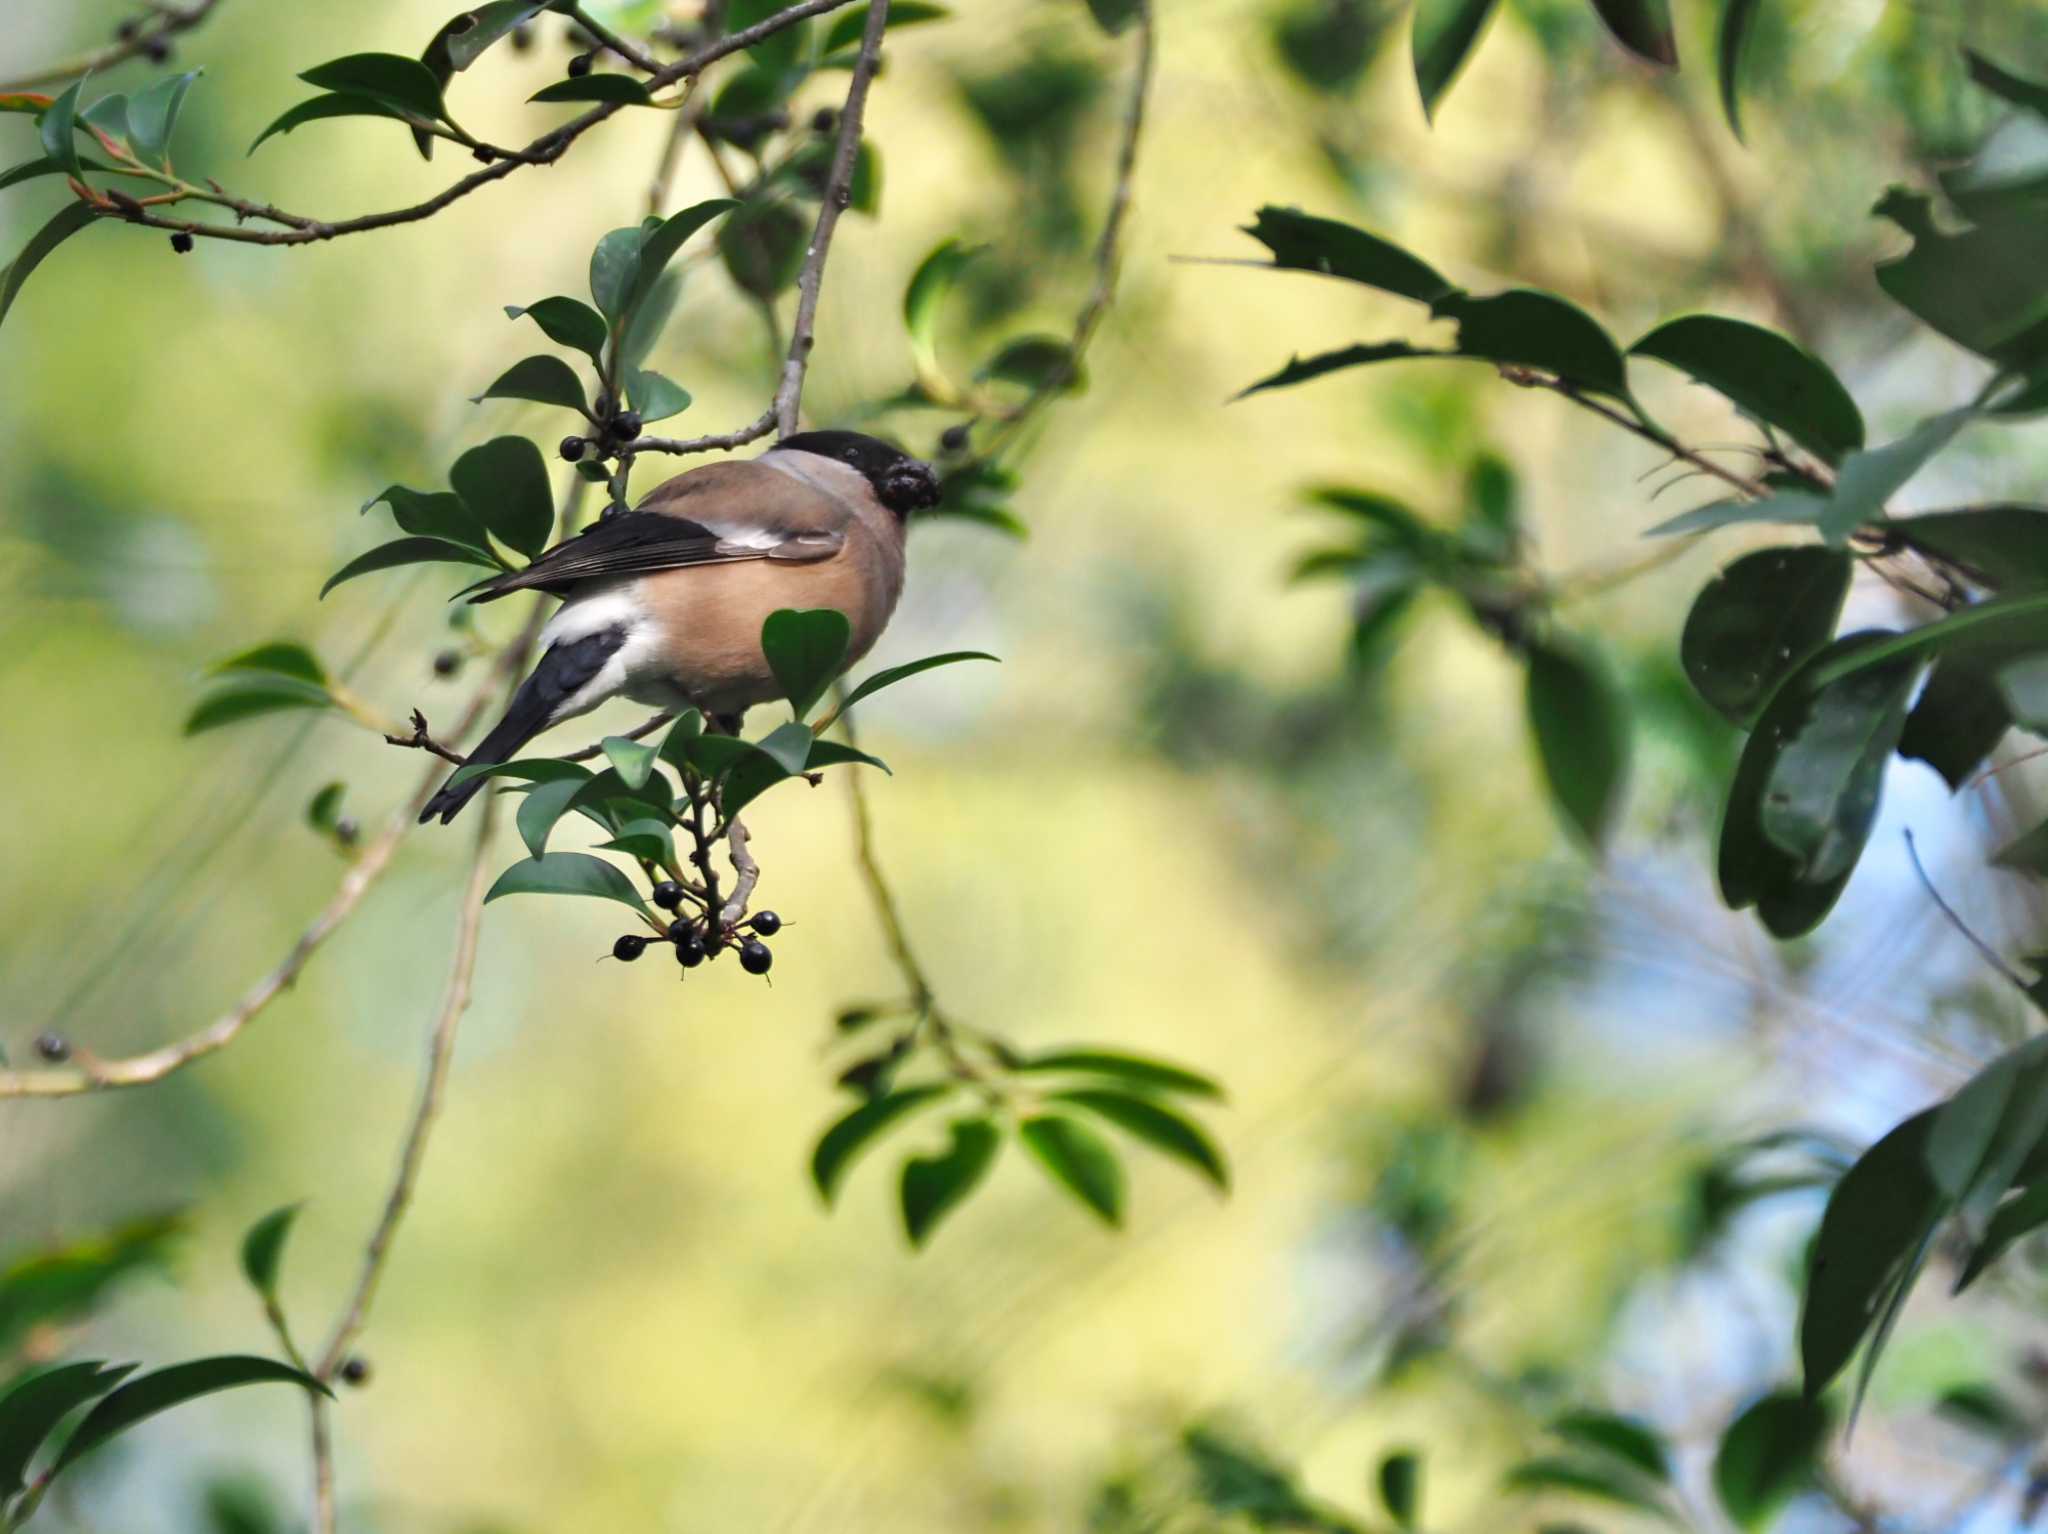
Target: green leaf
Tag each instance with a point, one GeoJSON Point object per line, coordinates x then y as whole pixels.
{"type": "Point", "coordinates": [929, 285]}
{"type": "Point", "coordinates": [1302, 369]}
{"type": "Point", "coordinates": [1038, 362]}
{"type": "Point", "coordinates": [568, 873]}
{"type": "Point", "coordinates": [1078, 1160]}
{"type": "Point", "coordinates": [806, 649]}
{"type": "Point", "coordinates": [69, 219]}
{"type": "Point", "coordinates": [763, 246]}
{"type": "Point", "coordinates": [1957, 721]}
{"type": "Point", "coordinates": [1301, 242]}
{"type": "Point", "coordinates": [891, 675]}
{"type": "Point", "coordinates": [1581, 724]}
{"type": "Point", "coordinates": [1736, 17]}
{"type": "Point", "coordinates": [1982, 1137]}
{"type": "Point", "coordinates": [407, 551]}
{"type": "Point", "coordinates": [145, 1397]}
{"type": "Point", "coordinates": [2028, 94]}
{"type": "Point", "coordinates": [153, 117]}
{"type": "Point", "coordinates": [278, 658]}
{"type": "Point", "coordinates": [59, 129]}
{"type": "Point", "coordinates": [1131, 1070]}
{"type": "Point", "coordinates": [2003, 623]}
{"type": "Point", "coordinates": [437, 514]}
{"type": "Point", "coordinates": [1444, 34]}
{"type": "Point", "coordinates": [1643, 27]}
{"type": "Point", "coordinates": [934, 1186]}
{"type": "Point", "coordinates": [324, 808]}
{"type": "Point", "coordinates": [1757, 621]}
{"type": "Point", "coordinates": [1872, 1241]}
{"type": "Point", "coordinates": [661, 244]}
{"type": "Point", "coordinates": [505, 482]}
{"type": "Point", "coordinates": [488, 24]}
{"type": "Point", "coordinates": [390, 78]}
{"type": "Point", "coordinates": [655, 396]}
{"type": "Point", "coordinates": [1114, 16]}
{"type": "Point", "coordinates": [542, 808]}
{"type": "Point", "coordinates": [1608, 1483]}
{"type": "Point", "coordinates": [848, 25]}
{"type": "Point", "coordinates": [1159, 1127]}
{"type": "Point", "coordinates": [788, 745]}
{"type": "Point", "coordinates": [853, 1133]}
{"type": "Point", "coordinates": [263, 1249]}
{"type": "Point", "coordinates": [624, 89]}
{"type": "Point", "coordinates": [781, 50]}
{"type": "Point", "coordinates": [681, 736]}
{"type": "Point", "coordinates": [539, 769]}
{"type": "Point", "coordinates": [1765, 376]}
{"type": "Point", "coordinates": [1527, 328]}
{"type": "Point", "coordinates": [1984, 287]}
{"type": "Point", "coordinates": [1401, 1488]}
{"type": "Point", "coordinates": [31, 1411]}
{"type": "Point", "coordinates": [830, 753]}
{"type": "Point", "coordinates": [567, 322]}
{"type": "Point", "coordinates": [1627, 1439]}
{"type": "Point", "coordinates": [543, 379]}
{"type": "Point", "coordinates": [632, 760]}
{"type": "Point", "coordinates": [231, 705]}
{"type": "Point", "coordinates": [2018, 1217]}
{"type": "Point", "coordinates": [62, 1285]}
{"type": "Point", "coordinates": [321, 107]}
{"type": "Point", "coordinates": [649, 319]}
{"type": "Point", "coordinates": [615, 269]}
{"type": "Point", "coordinates": [29, 170]}
{"type": "Point", "coordinates": [2003, 547]}
{"type": "Point", "coordinates": [1770, 1454]}
{"type": "Point", "coordinates": [1821, 792]}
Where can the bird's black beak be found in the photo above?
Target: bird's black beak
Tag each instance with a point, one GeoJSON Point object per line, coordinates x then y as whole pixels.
{"type": "Point", "coordinates": [909, 486]}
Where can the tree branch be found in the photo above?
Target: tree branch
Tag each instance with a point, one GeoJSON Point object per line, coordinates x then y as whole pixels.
{"type": "Point", "coordinates": [605, 37]}
{"type": "Point", "coordinates": [148, 37]}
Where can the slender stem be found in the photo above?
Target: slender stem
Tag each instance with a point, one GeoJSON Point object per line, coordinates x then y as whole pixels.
{"type": "Point", "coordinates": [169, 21]}
{"type": "Point", "coordinates": [886, 909]}
{"type": "Point", "coordinates": [1752, 489]}
{"type": "Point", "coordinates": [633, 55]}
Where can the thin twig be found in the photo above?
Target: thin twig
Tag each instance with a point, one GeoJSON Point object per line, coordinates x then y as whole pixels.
{"type": "Point", "coordinates": [607, 38]}
{"type": "Point", "coordinates": [1528, 378]}
{"type": "Point", "coordinates": [168, 22]}
{"type": "Point", "coordinates": [1985, 951]}
{"type": "Point", "coordinates": [421, 739]}
{"type": "Point", "coordinates": [546, 150]}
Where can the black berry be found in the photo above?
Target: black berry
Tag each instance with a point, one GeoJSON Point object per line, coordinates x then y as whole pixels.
{"type": "Point", "coordinates": [522, 37]}
{"type": "Point", "coordinates": [755, 957]}
{"type": "Point", "coordinates": [626, 425]}
{"type": "Point", "coordinates": [668, 894]}
{"type": "Point", "coordinates": [767, 923]}
{"type": "Point", "coordinates": [54, 1047]}
{"type": "Point", "coordinates": [126, 30]}
{"type": "Point", "coordinates": [347, 830]}
{"type": "Point", "coordinates": [629, 947]}
{"type": "Point", "coordinates": [447, 663]}
{"type": "Point", "coordinates": [825, 120]}
{"type": "Point", "coordinates": [355, 1370]}
{"type": "Point", "coordinates": [483, 153]}
{"type": "Point", "coordinates": [680, 928]}
{"type": "Point", "coordinates": [579, 66]}
{"type": "Point", "coordinates": [182, 243]}
{"type": "Point", "coordinates": [954, 438]}
{"type": "Point", "coordinates": [572, 448]}
{"type": "Point", "coordinates": [156, 49]}
{"type": "Point", "coordinates": [690, 951]}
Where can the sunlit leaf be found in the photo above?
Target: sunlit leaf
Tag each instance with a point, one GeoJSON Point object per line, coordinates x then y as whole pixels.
{"type": "Point", "coordinates": [568, 873]}
{"type": "Point", "coordinates": [1078, 1160]}
{"type": "Point", "coordinates": [567, 322]}
{"type": "Point", "coordinates": [854, 1132]}
{"type": "Point", "coordinates": [505, 482]}
{"type": "Point", "coordinates": [1444, 35]}
{"type": "Point", "coordinates": [806, 649]}
{"type": "Point", "coordinates": [1160, 1127]}
{"type": "Point", "coordinates": [263, 1249]}
{"type": "Point", "coordinates": [934, 1186]}
{"type": "Point", "coordinates": [143, 1398]}
{"type": "Point", "coordinates": [1769, 1454]}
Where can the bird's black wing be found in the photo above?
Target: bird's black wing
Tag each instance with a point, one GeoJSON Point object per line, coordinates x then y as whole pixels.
{"type": "Point", "coordinates": [631, 543]}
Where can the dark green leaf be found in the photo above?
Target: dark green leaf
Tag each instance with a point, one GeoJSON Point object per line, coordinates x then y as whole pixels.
{"type": "Point", "coordinates": [2013, 1219]}
{"type": "Point", "coordinates": [830, 753]}
{"type": "Point", "coordinates": [1757, 621]}
{"type": "Point", "coordinates": [848, 25]}
{"type": "Point", "coordinates": [1079, 1161]}
{"type": "Point", "coordinates": [436, 514]}
{"type": "Point", "coordinates": [2003, 547]}
{"type": "Point", "coordinates": [391, 78]}
{"type": "Point", "coordinates": [544, 379]}
{"type": "Point", "coordinates": [30, 1412]}
{"type": "Point", "coordinates": [109, 114]}
{"type": "Point", "coordinates": [487, 25]}
{"type": "Point", "coordinates": [655, 396]}
{"type": "Point", "coordinates": [324, 808]}
{"type": "Point", "coordinates": [1581, 724]}
{"type": "Point", "coordinates": [31, 169]}
{"type": "Point", "coordinates": [777, 51]}
{"type": "Point", "coordinates": [59, 129]}
{"type": "Point", "coordinates": [542, 808]}
{"type": "Point", "coordinates": [934, 1186]}
{"type": "Point", "coordinates": [1736, 16]}
{"type": "Point", "coordinates": [1162, 1128]}
{"type": "Point", "coordinates": [1527, 328]}
{"type": "Point", "coordinates": [1626, 1438]}
{"type": "Point", "coordinates": [852, 1134]}
{"type": "Point", "coordinates": [2030, 94]}
{"type": "Point", "coordinates": [1445, 32]}
{"type": "Point", "coordinates": [263, 1249]}
{"type": "Point", "coordinates": [568, 873]}
{"type": "Point", "coordinates": [153, 117]}
{"type": "Point", "coordinates": [1304, 243]}
{"type": "Point", "coordinates": [747, 770]}
{"type": "Point", "coordinates": [1873, 1238]}
{"type": "Point", "coordinates": [231, 705]}
{"type": "Point", "coordinates": [2001, 624]}
{"type": "Point", "coordinates": [1769, 1454]}
{"type": "Point", "coordinates": [1130, 1070]}
{"type": "Point", "coordinates": [676, 744]}
{"type": "Point", "coordinates": [1114, 16]}
{"type": "Point", "coordinates": [1982, 1137]}
{"type": "Point", "coordinates": [540, 769]}
{"type": "Point", "coordinates": [596, 87]}
{"type": "Point", "coordinates": [615, 270]}
{"type": "Point", "coordinates": [279, 658]}
{"type": "Point", "coordinates": [1983, 287]}
{"type": "Point", "coordinates": [662, 243]}
{"type": "Point", "coordinates": [649, 319]}
{"type": "Point", "coordinates": [505, 482]}
{"type": "Point", "coordinates": [1958, 719]}
{"type": "Point", "coordinates": [1607, 1482]}
{"type": "Point", "coordinates": [69, 219]}
{"type": "Point", "coordinates": [1765, 376]}
{"type": "Point", "coordinates": [1983, 1408]}
{"type": "Point", "coordinates": [890, 676]}
{"type": "Point", "coordinates": [1302, 369]}
{"type": "Point", "coordinates": [789, 744]}
{"type": "Point", "coordinates": [145, 1397]}
{"type": "Point", "coordinates": [1643, 27]}
{"type": "Point", "coordinates": [62, 1285]}
{"type": "Point", "coordinates": [320, 107]}
{"type": "Point", "coordinates": [1401, 1488]}
{"type": "Point", "coordinates": [806, 649]}
{"type": "Point", "coordinates": [1038, 362]}
{"type": "Point", "coordinates": [567, 322]}
{"type": "Point", "coordinates": [407, 551]}
{"type": "Point", "coordinates": [763, 247]}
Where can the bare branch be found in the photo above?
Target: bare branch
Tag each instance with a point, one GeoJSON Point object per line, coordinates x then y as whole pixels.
{"type": "Point", "coordinates": [421, 740]}
{"type": "Point", "coordinates": [747, 874]}
{"type": "Point", "coordinates": [148, 37]}
{"type": "Point", "coordinates": [607, 38]}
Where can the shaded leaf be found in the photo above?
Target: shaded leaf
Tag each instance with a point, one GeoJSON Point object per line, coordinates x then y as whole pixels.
{"type": "Point", "coordinates": [2017, 1217]}
{"type": "Point", "coordinates": [58, 129]}
{"type": "Point", "coordinates": [1524, 327]}
{"type": "Point", "coordinates": [1608, 1483]}
{"type": "Point", "coordinates": [145, 1397]}
{"type": "Point", "coordinates": [928, 287]}
{"type": "Point", "coordinates": [1038, 362]}
{"type": "Point", "coordinates": [321, 107]}
{"type": "Point", "coordinates": [407, 551]}
{"type": "Point", "coordinates": [1079, 1161]}
{"type": "Point", "coordinates": [567, 322]}
{"type": "Point", "coordinates": [31, 1411]}
{"type": "Point", "coordinates": [324, 808]}
{"type": "Point", "coordinates": [69, 219]}
{"type": "Point", "coordinates": [847, 26]}
{"type": "Point", "coordinates": [1302, 369]}
{"type": "Point", "coordinates": [505, 482]}
{"type": "Point", "coordinates": [153, 117]}
{"type": "Point", "coordinates": [231, 705]}
{"type": "Point", "coordinates": [1626, 1438]}
{"type": "Point", "coordinates": [1984, 287]}
{"type": "Point", "coordinates": [1643, 27]}
{"type": "Point", "coordinates": [1757, 621]}
{"type": "Point", "coordinates": [934, 1186]}
{"type": "Point", "coordinates": [1821, 791]}
{"type": "Point", "coordinates": [541, 809]}
{"type": "Point", "coordinates": [661, 244]}
{"type": "Point", "coordinates": [1957, 721]}
{"type": "Point", "coordinates": [390, 78]}
{"type": "Point", "coordinates": [2003, 547]}
{"type": "Point", "coordinates": [543, 379]}
{"type": "Point", "coordinates": [1302, 242]}
{"type": "Point", "coordinates": [1736, 17]}
{"type": "Point", "coordinates": [806, 649]}
{"type": "Point", "coordinates": [1444, 34]}
{"type": "Point", "coordinates": [1769, 1454]}
{"type": "Point", "coordinates": [568, 873]}
{"type": "Point", "coordinates": [1400, 1481]}
{"type": "Point", "coordinates": [436, 514]}
{"type": "Point", "coordinates": [1765, 376]}
{"type": "Point", "coordinates": [1159, 1127]}
{"type": "Point", "coordinates": [263, 1249]}
{"type": "Point", "coordinates": [615, 269]}
{"type": "Point", "coordinates": [763, 247]}
{"type": "Point", "coordinates": [853, 1133]}
{"type": "Point", "coordinates": [539, 769]}
{"type": "Point", "coordinates": [1581, 724]}
{"type": "Point", "coordinates": [655, 396]}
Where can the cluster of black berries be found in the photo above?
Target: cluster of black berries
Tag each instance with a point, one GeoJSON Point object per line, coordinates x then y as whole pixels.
{"type": "Point", "coordinates": [695, 940]}
{"type": "Point", "coordinates": [618, 429]}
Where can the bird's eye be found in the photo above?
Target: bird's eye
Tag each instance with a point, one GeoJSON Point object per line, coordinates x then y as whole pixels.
{"type": "Point", "coordinates": [851, 455]}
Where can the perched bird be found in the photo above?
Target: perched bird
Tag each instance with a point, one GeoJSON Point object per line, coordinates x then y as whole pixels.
{"type": "Point", "coordinates": [664, 603]}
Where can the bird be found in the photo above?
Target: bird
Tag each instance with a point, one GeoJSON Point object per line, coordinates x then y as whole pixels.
{"type": "Point", "coordinates": [664, 604]}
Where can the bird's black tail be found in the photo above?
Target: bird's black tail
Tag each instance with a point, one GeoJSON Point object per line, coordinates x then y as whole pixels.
{"type": "Point", "coordinates": [564, 671]}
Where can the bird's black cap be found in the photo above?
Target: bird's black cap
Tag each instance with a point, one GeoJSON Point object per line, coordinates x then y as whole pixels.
{"type": "Point", "coordinates": [902, 483]}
